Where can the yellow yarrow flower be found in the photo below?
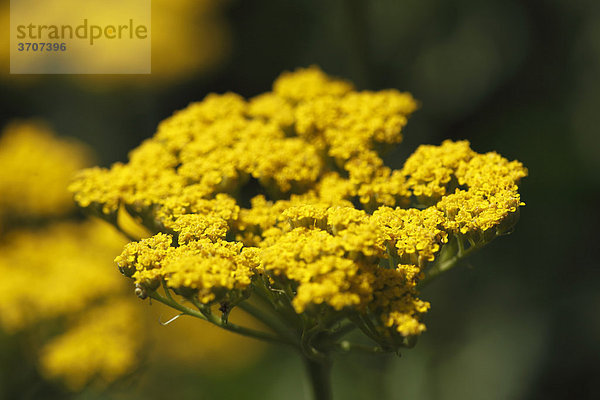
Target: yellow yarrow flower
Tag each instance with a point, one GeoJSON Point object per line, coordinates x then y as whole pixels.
{"type": "Point", "coordinates": [284, 199]}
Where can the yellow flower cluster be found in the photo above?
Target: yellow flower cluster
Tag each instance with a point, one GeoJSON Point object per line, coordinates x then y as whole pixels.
{"type": "Point", "coordinates": [201, 264]}
{"type": "Point", "coordinates": [33, 190]}
{"type": "Point", "coordinates": [415, 235]}
{"type": "Point", "coordinates": [475, 192]}
{"type": "Point", "coordinates": [102, 345]}
{"type": "Point", "coordinates": [221, 144]}
{"type": "Point", "coordinates": [290, 185]}
{"type": "Point", "coordinates": [56, 271]}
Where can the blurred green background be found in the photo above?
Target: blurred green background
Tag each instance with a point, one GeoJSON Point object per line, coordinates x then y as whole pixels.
{"type": "Point", "coordinates": [521, 319]}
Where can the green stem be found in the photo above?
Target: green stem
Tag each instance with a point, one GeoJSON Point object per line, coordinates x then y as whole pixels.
{"type": "Point", "coordinates": [319, 373]}
{"type": "Point", "coordinates": [166, 289]}
{"type": "Point", "coordinates": [392, 260]}
{"type": "Point", "coordinates": [358, 321]}
{"type": "Point", "coordinates": [267, 320]}
{"type": "Point", "coordinates": [341, 332]}
{"type": "Point", "coordinates": [307, 347]}
{"type": "Point", "coordinates": [448, 264]}
{"type": "Point", "coordinates": [273, 302]}
{"type": "Point", "coordinates": [217, 321]}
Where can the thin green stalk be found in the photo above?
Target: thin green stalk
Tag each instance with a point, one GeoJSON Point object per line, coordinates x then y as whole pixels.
{"type": "Point", "coordinates": [341, 332]}
{"type": "Point", "coordinates": [319, 373]}
{"type": "Point", "coordinates": [360, 324]}
{"type": "Point", "coordinates": [166, 289]}
{"type": "Point", "coordinates": [448, 264]}
{"type": "Point", "coordinates": [306, 344]}
{"type": "Point", "coordinates": [267, 320]}
{"type": "Point", "coordinates": [391, 259]}
{"type": "Point", "coordinates": [270, 300]}
{"type": "Point", "coordinates": [217, 321]}
{"type": "Point", "coordinates": [375, 335]}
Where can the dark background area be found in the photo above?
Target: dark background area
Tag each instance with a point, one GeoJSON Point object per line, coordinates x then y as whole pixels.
{"type": "Point", "coordinates": [522, 319]}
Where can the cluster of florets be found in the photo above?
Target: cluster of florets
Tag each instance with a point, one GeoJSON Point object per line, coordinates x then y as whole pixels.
{"type": "Point", "coordinates": [287, 192]}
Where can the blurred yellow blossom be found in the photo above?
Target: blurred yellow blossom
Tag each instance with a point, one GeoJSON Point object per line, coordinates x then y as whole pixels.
{"type": "Point", "coordinates": [56, 270]}
{"type": "Point", "coordinates": [189, 38]}
{"type": "Point", "coordinates": [102, 346]}
{"type": "Point", "coordinates": [35, 169]}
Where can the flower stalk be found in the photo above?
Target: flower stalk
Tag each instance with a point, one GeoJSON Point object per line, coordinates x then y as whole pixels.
{"type": "Point", "coordinates": [319, 373]}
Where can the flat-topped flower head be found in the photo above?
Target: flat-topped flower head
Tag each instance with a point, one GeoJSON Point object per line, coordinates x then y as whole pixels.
{"type": "Point", "coordinates": [284, 199]}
